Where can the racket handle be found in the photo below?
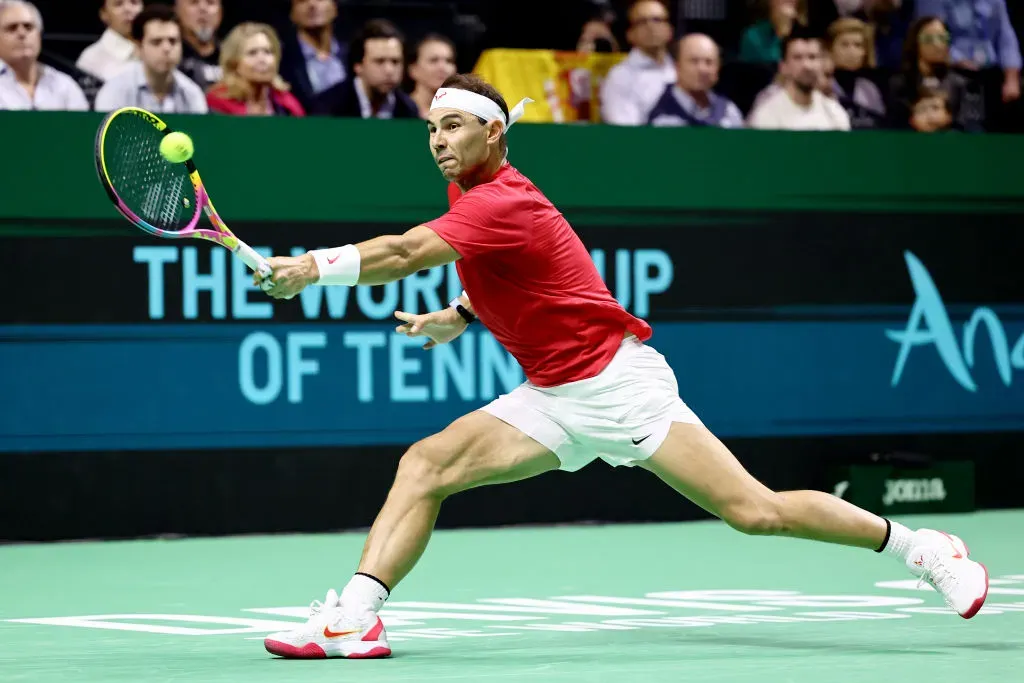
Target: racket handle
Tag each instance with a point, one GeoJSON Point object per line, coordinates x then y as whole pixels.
{"type": "Point", "coordinates": [256, 262]}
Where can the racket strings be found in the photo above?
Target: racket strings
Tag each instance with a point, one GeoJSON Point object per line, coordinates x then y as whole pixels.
{"type": "Point", "coordinates": [160, 192]}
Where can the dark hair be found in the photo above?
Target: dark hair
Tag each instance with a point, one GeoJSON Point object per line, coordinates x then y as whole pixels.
{"type": "Point", "coordinates": [799, 32]}
{"type": "Point", "coordinates": [475, 84]}
{"type": "Point", "coordinates": [911, 44]}
{"type": "Point", "coordinates": [373, 29]}
{"type": "Point", "coordinates": [926, 92]}
{"type": "Point", "coordinates": [164, 13]}
{"type": "Point", "coordinates": [414, 54]}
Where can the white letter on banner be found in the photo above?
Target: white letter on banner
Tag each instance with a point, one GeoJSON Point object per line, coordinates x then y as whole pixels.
{"type": "Point", "coordinates": [373, 310]}
{"type": "Point", "coordinates": [643, 284]}
{"type": "Point", "coordinates": [299, 366]}
{"type": "Point", "coordinates": [364, 343]}
{"type": "Point", "coordinates": [241, 285]}
{"type": "Point", "coordinates": [192, 282]}
{"type": "Point", "coordinates": [424, 284]}
{"type": "Point", "coordinates": [155, 258]}
{"type": "Point", "coordinates": [446, 364]}
{"type": "Point", "coordinates": [246, 375]}
{"type": "Point", "coordinates": [402, 366]}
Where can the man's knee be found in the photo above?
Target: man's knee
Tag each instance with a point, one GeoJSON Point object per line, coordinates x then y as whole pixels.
{"type": "Point", "coordinates": [761, 516]}
{"type": "Point", "coordinates": [423, 471]}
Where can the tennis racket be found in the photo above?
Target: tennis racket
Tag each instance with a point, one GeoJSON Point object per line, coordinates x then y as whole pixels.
{"type": "Point", "coordinates": [160, 197]}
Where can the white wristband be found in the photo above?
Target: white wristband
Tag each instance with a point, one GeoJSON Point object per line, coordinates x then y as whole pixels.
{"type": "Point", "coordinates": [338, 266]}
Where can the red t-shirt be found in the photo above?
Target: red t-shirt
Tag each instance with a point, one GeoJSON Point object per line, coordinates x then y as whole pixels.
{"type": "Point", "coordinates": [532, 282]}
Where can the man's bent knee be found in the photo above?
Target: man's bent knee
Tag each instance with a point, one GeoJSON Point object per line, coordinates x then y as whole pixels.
{"type": "Point", "coordinates": [421, 472]}
{"type": "Point", "coordinates": [760, 517]}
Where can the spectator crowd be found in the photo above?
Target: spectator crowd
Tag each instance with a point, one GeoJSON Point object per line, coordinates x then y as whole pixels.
{"type": "Point", "coordinates": [925, 65]}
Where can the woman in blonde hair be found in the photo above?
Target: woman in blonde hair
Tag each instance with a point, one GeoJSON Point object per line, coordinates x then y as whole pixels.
{"type": "Point", "coordinates": [851, 46]}
{"type": "Point", "coordinates": [252, 84]}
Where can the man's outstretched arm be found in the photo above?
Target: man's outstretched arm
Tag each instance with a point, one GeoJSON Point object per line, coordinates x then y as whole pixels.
{"type": "Point", "coordinates": [377, 261]}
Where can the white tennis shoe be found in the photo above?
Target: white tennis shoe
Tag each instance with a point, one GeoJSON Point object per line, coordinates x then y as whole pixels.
{"type": "Point", "coordinates": [330, 633]}
{"type": "Point", "coordinates": [941, 560]}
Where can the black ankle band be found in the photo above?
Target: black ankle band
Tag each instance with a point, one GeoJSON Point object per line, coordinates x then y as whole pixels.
{"type": "Point", "coordinates": [888, 530]}
{"type": "Point", "coordinates": [370, 576]}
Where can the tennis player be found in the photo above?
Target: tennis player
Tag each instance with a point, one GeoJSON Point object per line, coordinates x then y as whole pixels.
{"type": "Point", "coordinates": [594, 389]}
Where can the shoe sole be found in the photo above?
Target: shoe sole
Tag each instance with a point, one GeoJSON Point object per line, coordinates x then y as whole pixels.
{"type": "Point", "coordinates": [354, 649]}
{"type": "Point", "coordinates": [977, 604]}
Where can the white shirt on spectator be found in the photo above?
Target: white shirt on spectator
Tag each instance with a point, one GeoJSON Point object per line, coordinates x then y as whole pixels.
{"type": "Point", "coordinates": [633, 86]}
{"type": "Point", "coordinates": [129, 88]}
{"type": "Point", "coordinates": [55, 91]}
{"type": "Point", "coordinates": [780, 112]}
{"type": "Point", "coordinates": [107, 56]}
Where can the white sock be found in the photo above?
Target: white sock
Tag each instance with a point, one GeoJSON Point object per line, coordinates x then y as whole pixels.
{"type": "Point", "coordinates": [901, 541]}
{"type": "Point", "coordinates": [363, 596]}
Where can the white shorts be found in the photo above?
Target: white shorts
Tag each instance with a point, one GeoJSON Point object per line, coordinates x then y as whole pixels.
{"type": "Point", "coordinates": [621, 415]}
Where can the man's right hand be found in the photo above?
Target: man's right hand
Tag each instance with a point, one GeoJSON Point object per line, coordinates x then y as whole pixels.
{"type": "Point", "coordinates": [440, 327]}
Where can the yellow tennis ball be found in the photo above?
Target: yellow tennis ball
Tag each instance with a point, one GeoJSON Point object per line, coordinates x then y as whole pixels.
{"type": "Point", "coordinates": [177, 148]}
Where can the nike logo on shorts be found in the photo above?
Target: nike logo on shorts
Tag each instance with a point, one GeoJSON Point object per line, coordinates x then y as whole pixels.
{"type": "Point", "coordinates": [637, 442]}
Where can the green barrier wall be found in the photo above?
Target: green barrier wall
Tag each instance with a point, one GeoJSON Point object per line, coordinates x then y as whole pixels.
{"type": "Point", "coordinates": [351, 170]}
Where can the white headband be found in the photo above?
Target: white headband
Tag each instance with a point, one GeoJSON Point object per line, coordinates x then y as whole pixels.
{"type": "Point", "coordinates": [477, 105]}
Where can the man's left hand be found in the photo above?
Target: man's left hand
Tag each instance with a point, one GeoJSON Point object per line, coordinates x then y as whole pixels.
{"type": "Point", "coordinates": [290, 275]}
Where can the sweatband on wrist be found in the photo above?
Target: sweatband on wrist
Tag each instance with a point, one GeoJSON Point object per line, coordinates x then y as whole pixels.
{"type": "Point", "coordinates": [456, 303]}
{"type": "Point", "coordinates": [338, 266]}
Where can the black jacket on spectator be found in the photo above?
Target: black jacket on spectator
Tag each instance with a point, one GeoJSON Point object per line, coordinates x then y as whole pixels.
{"type": "Point", "coordinates": [966, 99]}
{"type": "Point", "coordinates": [342, 100]}
{"type": "Point", "coordinates": [860, 97]}
{"type": "Point", "coordinates": [294, 72]}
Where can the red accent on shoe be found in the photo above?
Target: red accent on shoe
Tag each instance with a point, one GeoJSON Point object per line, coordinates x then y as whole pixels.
{"type": "Point", "coordinates": [307, 651]}
{"type": "Point", "coordinates": [379, 651]}
{"type": "Point", "coordinates": [976, 605]}
{"type": "Point", "coordinates": [374, 633]}
{"type": "Point", "coordinates": [953, 543]}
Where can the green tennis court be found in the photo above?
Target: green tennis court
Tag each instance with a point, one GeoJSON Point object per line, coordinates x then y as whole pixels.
{"type": "Point", "coordinates": [659, 602]}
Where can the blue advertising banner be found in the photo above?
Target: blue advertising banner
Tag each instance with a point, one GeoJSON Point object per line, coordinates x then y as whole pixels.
{"type": "Point", "coordinates": [926, 366]}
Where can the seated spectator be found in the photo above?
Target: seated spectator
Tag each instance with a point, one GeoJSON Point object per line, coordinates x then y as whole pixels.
{"type": "Point", "coordinates": [154, 83]}
{"type": "Point", "coordinates": [982, 36]}
{"type": "Point", "coordinates": [762, 41]}
{"type": "Point", "coordinates": [200, 51]}
{"type": "Point", "coordinates": [115, 49]}
{"type": "Point", "coordinates": [889, 21]}
{"type": "Point", "coordinates": [373, 92]}
{"type": "Point", "coordinates": [433, 60]}
{"type": "Point", "coordinates": [633, 85]}
{"type": "Point", "coordinates": [852, 51]}
{"type": "Point", "coordinates": [692, 101]}
{"type": "Point", "coordinates": [25, 83]}
{"type": "Point", "coordinates": [313, 59]}
{"type": "Point", "coordinates": [799, 104]}
{"type": "Point", "coordinates": [926, 63]}
{"type": "Point", "coordinates": [252, 85]}
{"type": "Point", "coordinates": [931, 112]}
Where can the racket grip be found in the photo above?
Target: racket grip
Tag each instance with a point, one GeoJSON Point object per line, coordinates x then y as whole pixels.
{"type": "Point", "coordinates": [252, 259]}
{"type": "Point", "coordinates": [256, 262]}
